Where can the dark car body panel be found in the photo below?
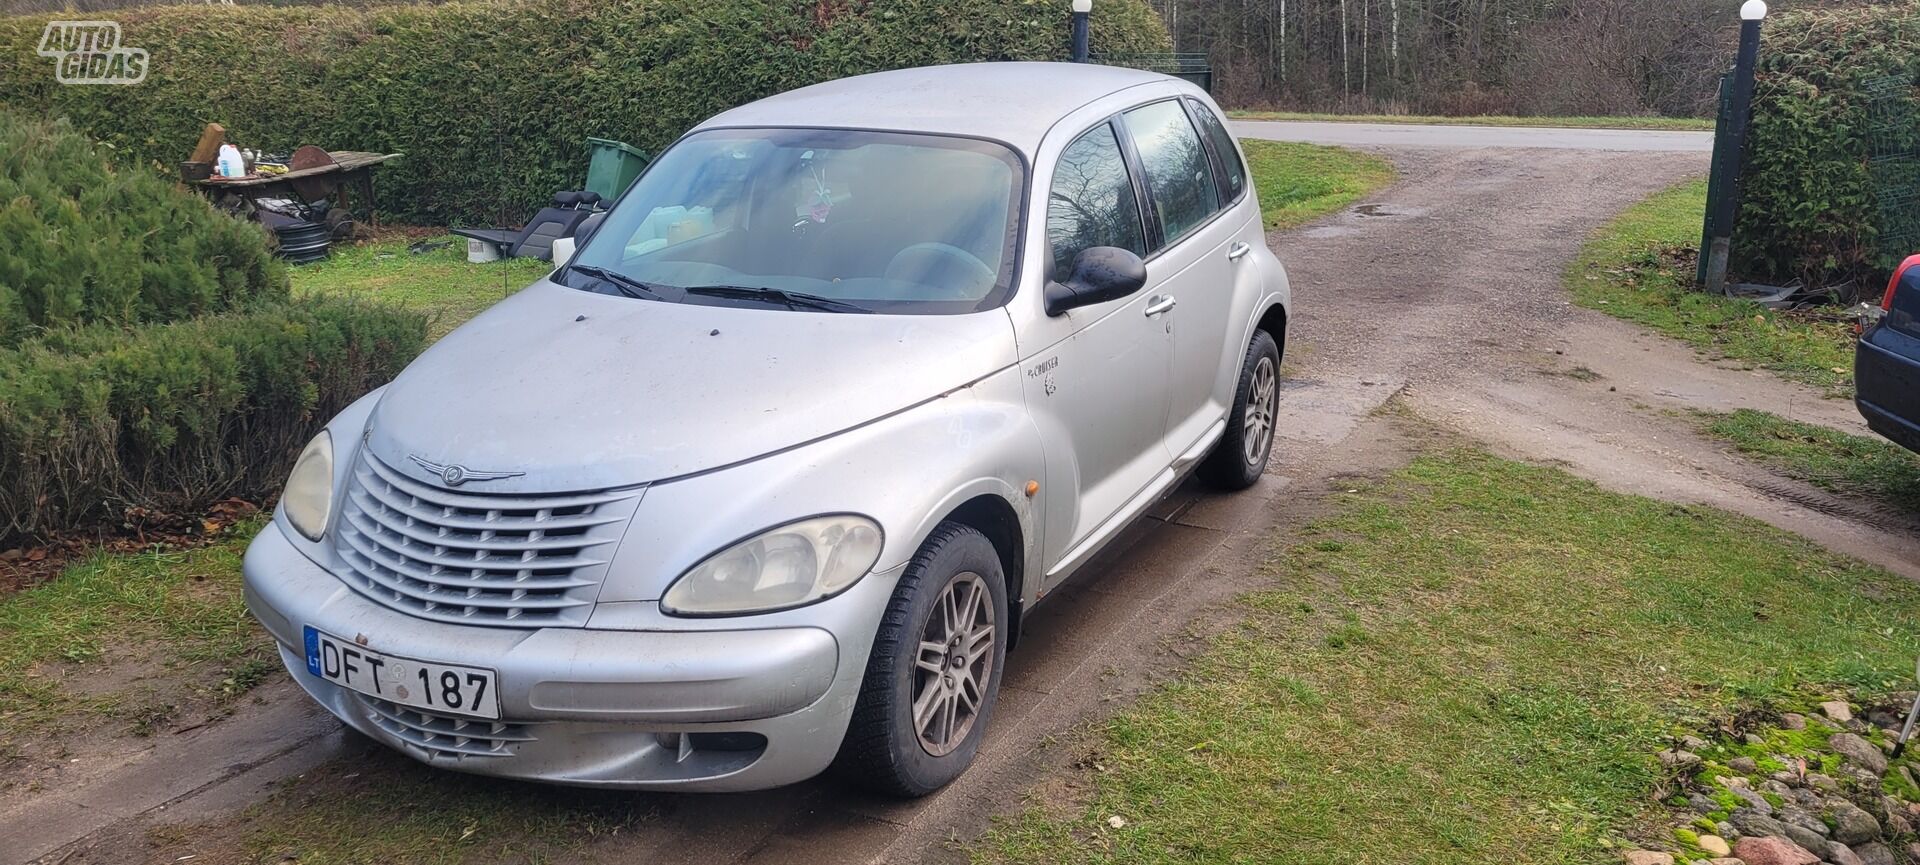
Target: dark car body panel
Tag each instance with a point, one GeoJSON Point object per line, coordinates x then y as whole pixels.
{"type": "Point", "coordinates": [1887, 369]}
{"type": "Point", "coordinates": [1887, 365]}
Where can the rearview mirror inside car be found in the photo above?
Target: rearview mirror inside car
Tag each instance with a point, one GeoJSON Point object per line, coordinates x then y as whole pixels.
{"type": "Point", "coordinates": [1100, 274]}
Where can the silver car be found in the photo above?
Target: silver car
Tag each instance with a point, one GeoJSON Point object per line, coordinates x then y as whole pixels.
{"type": "Point", "coordinates": [765, 477]}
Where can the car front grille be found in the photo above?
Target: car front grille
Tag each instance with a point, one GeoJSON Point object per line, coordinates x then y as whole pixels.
{"type": "Point", "coordinates": [477, 558]}
{"type": "Point", "coordinates": [446, 735]}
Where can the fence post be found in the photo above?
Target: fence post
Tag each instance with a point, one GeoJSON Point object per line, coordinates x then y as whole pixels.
{"type": "Point", "coordinates": [1729, 148]}
{"type": "Point", "coordinates": [1081, 10]}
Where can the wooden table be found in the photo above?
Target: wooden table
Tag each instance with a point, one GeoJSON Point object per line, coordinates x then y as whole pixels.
{"type": "Point", "coordinates": [350, 169]}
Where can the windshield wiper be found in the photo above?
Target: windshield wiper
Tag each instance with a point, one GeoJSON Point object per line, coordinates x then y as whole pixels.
{"type": "Point", "coordinates": [626, 285]}
{"type": "Point", "coordinates": [793, 299]}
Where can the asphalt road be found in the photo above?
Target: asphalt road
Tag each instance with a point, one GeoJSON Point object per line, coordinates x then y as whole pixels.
{"type": "Point", "coordinates": [1397, 135]}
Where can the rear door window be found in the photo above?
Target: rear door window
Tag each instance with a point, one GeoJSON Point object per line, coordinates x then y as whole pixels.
{"type": "Point", "coordinates": [1092, 202]}
{"type": "Point", "coordinates": [1233, 172]}
{"type": "Point", "coordinates": [1179, 180]}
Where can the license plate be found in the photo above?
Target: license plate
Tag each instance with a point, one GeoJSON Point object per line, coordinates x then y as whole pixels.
{"type": "Point", "coordinates": [447, 688]}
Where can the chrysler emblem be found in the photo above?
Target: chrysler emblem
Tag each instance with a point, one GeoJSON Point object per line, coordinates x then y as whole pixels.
{"type": "Point", "coordinates": [455, 475]}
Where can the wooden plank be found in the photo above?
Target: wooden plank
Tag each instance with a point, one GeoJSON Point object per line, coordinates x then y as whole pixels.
{"type": "Point", "coordinates": [208, 149]}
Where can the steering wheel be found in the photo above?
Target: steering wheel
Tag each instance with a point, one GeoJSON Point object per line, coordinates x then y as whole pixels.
{"type": "Point", "coordinates": [954, 273]}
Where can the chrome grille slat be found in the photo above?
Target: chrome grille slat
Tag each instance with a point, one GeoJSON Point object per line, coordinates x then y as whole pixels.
{"type": "Point", "coordinates": [476, 558]}
{"type": "Point", "coordinates": [446, 734]}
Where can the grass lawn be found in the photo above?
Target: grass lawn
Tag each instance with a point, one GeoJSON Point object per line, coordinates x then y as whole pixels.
{"type": "Point", "coordinates": [73, 648]}
{"type": "Point", "coordinates": [1474, 661]}
{"type": "Point", "coordinates": [439, 281]}
{"type": "Point", "coordinates": [1873, 468]}
{"type": "Point", "coordinates": [1641, 266]}
{"type": "Point", "coordinates": [1672, 124]}
{"type": "Point", "coordinates": [1299, 183]}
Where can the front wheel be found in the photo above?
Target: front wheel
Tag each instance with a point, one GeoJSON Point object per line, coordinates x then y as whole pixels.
{"type": "Point", "coordinates": [1241, 456]}
{"type": "Point", "coordinates": [934, 674]}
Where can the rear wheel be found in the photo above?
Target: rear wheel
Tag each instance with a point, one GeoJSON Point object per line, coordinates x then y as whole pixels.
{"type": "Point", "coordinates": [1242, 453]}
{"type": "Point", "coordinates": [934, 674]}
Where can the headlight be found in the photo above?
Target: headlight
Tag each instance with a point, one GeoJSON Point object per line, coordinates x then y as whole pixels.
{"type": "Point", "coordinates": [795, 564]}
{"type": "Point", "coordinates": [308, 500]}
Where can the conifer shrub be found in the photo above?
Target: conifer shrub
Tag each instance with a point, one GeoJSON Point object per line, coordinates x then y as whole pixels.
{"type": "Point", "coordinates": [101, 420]}
{"type": "Point", "coordinates": [86, 241]}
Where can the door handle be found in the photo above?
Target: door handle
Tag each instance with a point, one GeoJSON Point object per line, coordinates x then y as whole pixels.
{"type": "Point", "coordinates": [1239, 251]}
{"type": "Point", "coordinates": [1162, 304]}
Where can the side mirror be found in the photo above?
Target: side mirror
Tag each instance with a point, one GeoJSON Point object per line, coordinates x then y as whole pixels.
{"type": "Point", "coordinates": [1100, 274]}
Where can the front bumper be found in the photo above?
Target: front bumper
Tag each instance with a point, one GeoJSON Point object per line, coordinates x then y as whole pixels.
{"type": "Point", "coordinates": [704, 708]}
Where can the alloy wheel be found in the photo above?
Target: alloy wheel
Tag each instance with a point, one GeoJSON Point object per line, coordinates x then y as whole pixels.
{"type": "Point", "coordinates": [954, 664]}
{"type": "Point", "coordinates": [1257, 428]}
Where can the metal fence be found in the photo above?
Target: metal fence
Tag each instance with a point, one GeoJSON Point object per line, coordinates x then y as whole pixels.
{"type": "Point", "coordinates": [1191, 65]}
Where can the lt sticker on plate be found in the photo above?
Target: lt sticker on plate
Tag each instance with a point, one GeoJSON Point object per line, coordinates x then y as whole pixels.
{"type": "Point", "coordinates": [446, 688]}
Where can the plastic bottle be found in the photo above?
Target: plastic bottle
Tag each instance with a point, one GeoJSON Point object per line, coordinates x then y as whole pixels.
{"type": "Point", "coordinates": [231, 163]}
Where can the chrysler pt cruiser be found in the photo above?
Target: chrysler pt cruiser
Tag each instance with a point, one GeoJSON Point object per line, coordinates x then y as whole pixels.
{"type": "Point", "coordinates": [764, 478]}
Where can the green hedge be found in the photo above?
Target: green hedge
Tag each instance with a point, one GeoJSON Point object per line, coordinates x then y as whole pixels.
{"type": "Point", "coordinates": [492, 100]}
{"type": "Point", "coordinates": [173, 417]}
{"type": "Point", "coordinates": [82, 241]}
{"type": "Point", "coordinates": [1836, 97]}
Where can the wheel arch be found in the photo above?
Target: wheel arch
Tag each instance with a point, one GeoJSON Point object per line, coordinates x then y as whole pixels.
{"type": "Point", "coordinates": [1273, 320]}
{"type": "Point", "coordinates": [993, 516]}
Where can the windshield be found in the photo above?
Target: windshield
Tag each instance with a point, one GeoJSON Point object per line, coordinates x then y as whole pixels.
{"type": "Point", "coordinates": [814, 219]}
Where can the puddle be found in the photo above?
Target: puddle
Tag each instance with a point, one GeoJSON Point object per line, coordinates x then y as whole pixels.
{"type": "Point", "coordinates": [1386, 211]}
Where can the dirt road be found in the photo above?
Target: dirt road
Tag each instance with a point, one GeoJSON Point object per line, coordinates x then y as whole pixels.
{"type": "Point", "coordinates": [1446, 289]}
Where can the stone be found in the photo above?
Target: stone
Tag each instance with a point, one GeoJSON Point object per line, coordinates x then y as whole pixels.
{"type": "Point", "coordinates": [1744, 765]}
{"type": "Point", "coordinates": [1874, 853]}
{"type": "Point", "coordinates": [1647, 857]}
{"type": "Point", "coordinates": [1715, 846]}
{"type": "Point", "coordinates": [1679, 759]}
{"type": "Point", "coordinates": [1841, 854]}
{"type": "Point", "coordinates": [1693, 743]}
{"type": "Point", "coordinates": [1860, 751]}
{"type": "Point", "coordinates": [1853, 825]}
{"type": "Point", "coordinates": [1907, 774]}
{"type": "Point", "coordinates": [1753, 739]}
{"type": "Point", "coordinates": [1808, 839]}
{"type": "Point", "coordinates": [1883, 719]}
{"type": "Point", "coordinates": [1776, 788]}
{"type": "Point", "coordinates": [1838, 710]}
{"type": "Point", "coordinates": [1795, 816]}
{"type": "Point", "coordinates": [1913, 852]}
{"type": "Point", "coordinates": [1725, 830]}
{"type": "Point", "coordinates": [1823, 782]}
{"type": "Point", "coordinates": [1793, 721]}
{"type": "Point", "coordinates": [1898, 825]}
{"type": "Point", "coordinates": [1725, 861]}
{"type": "Point", "coordinates": [1753, 824]}
{"type": "Point", "coordinates": [1772, 851]}
{"type": "Point", "coordinates": [1701, 804]}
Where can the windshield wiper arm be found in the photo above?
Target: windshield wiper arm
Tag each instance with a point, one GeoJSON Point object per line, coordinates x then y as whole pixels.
{"type": "Point", "coordinates": [793, 299]}
{"type": "Point", "coordinates": [627, 285]}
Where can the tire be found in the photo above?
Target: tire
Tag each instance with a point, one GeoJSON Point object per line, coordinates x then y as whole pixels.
{"type": "Point", "coordinates": [885, 750]}
{"type": "Point", "coordinates": [1241, 456]}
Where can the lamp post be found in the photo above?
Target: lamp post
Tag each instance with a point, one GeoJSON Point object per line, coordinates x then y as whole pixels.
{"type": "Point", "coordinates": [1729, 150]}
{"type": "Point", "coordinates": [1081, 9]}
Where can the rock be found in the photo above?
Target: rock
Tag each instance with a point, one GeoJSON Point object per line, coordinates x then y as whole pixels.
{"type": "Point", "coordinates": [1725, 829]}
{"type": "Point", "coordinates": [1693, 743]}
{"type": "Point", "coordinates": [1744, 765]}
{"type": "Point", "coordinates": [1647, 857]}
{"type": "Point", "coordinates": [1679, 759]}
{"type": "Point", "coordinates": [1860, 751]}
{"type": "Point", "coordinates": [1725, 861]}
{"type": "Point", "coordinates": [1772, 851]}
{"type": "Point", "coordinates": [1852, 825]}
{"type": "Point", "coordinates": [1793, 721]}
{"type": "Point", "coordinates": [1907, 774]}
{"type": "Point", "coordinates": [1841, 854]}
{"type": "Point", "coordinates": [1883, 719]}
{"type": "Point", "coordinates": [1753, 824]}
{"type": "Point", "coordinates": [1715, 845]}
{"type": "Point", "coordinates": [1701, 804]}
{"type": "Point", "coordinates": [1797, 817]}
{"type": "Point", "coordinates": [1776, 788]}
{"type": "Point", "coordinates": [1874, 853]}
{"type": "Point", "coordinates": [1808, 839]}
{"type": "Point", "coordinates": [1837, 710]}
{"type": "Point", "coordinates": [1913, 852]}
{"type": "Point", "coordinates": [1753, 739]}
{"type": "Point", "coordinates": [1898, 825]}
{"type": "Point", "coordinates": [1822, 782]}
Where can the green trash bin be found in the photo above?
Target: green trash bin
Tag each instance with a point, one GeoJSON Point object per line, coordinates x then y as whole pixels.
{"type": "Point", "coordinates": [612, 166]}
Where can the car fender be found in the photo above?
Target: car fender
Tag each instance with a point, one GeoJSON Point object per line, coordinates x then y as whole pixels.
{"type": "Point", "coordinates": [907, 472]}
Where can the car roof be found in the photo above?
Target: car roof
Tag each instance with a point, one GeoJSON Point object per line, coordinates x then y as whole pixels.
{"type": "Point", "coordinates": [1011, 102]}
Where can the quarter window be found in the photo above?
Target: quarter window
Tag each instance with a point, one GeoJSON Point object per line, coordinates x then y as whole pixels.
{"type": "Point", "coordinates": [1236, 172]}
{"type": "Point", "coordinates": [1092, 202]}
{"type": "Point", "coordinates": [1179, 181]}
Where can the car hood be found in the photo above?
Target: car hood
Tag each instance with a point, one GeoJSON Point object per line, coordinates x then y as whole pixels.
{"type": "Point", "coordinates": [577, 391]}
